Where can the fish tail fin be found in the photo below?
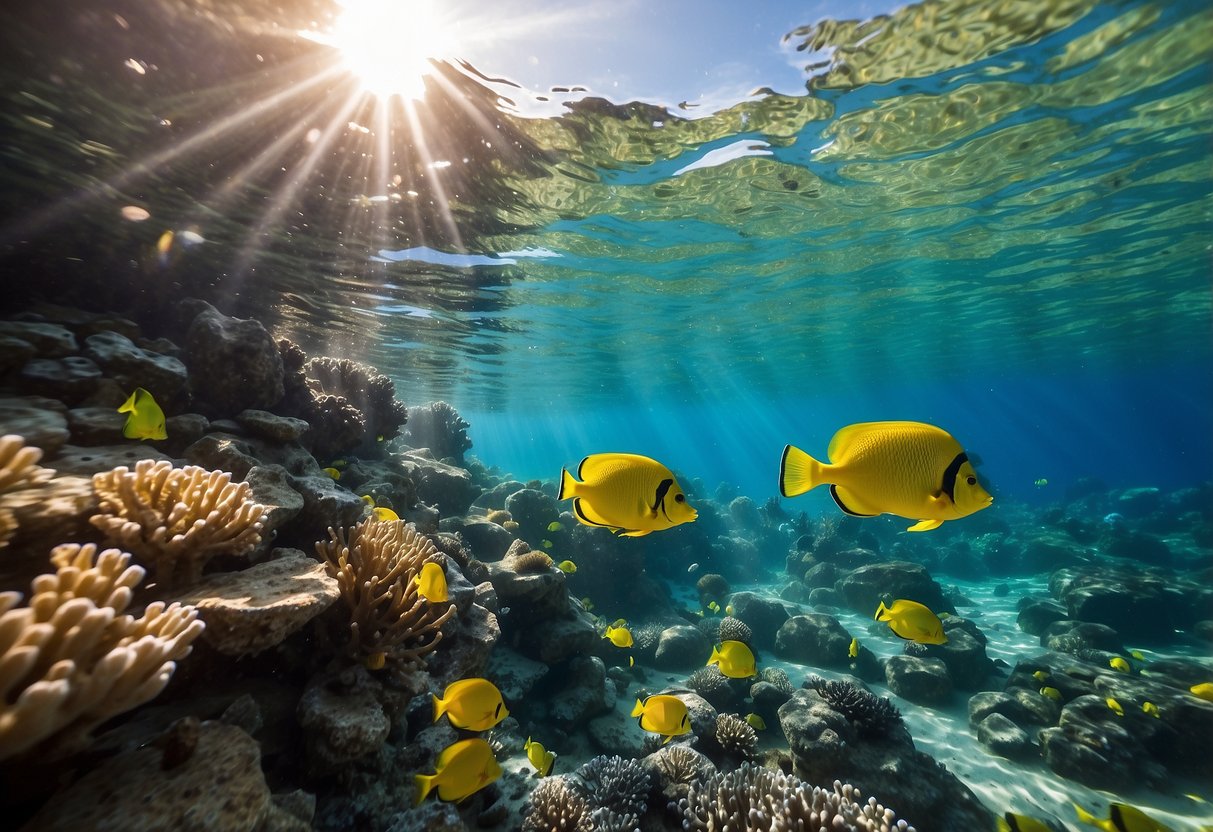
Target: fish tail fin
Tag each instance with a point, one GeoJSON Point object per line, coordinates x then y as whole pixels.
{"type": "Point", "coordinates": [1086, 817]}
{"type": "Point", "coordinates": [667, 739]}
{"type": "Point", "coordinates": [638, 709]}
{"type": "Point", "coordinates": [439, 707]}
{"type": "Point", "coordinates": [568, 485]}
{"type": "Point", "coordinates": [424, 784]}
{"type": "Point", "coordinates": [881, 610]}
{"type": "Point", "coordinates": [1005, 823]}
{"type": "Point", "coordinates": [715, 658]}
{"type": "Point", "coordinates": [798, 472]}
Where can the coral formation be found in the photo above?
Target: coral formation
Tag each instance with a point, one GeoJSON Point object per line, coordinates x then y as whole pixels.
{"type": "Point", "coordinates": [712, 587]}
{"type": "Point", "coordinates": [753, 799]}
{"type": "Point", "coordinates": [374, 563]}
{"type": "Point", "coordinates": [499, 516]}
{"type": "Point", "coordinates": [176, 519]}
{"type": "Point", "coordinates": [711, 684]}
{"type": "Point", "coordinates": [555, 806]}
{"type": "Point", "coordinates": [734, 629]}
{"type": "Point", "coordinates": [342, 385]}
{"type": "Point", "coordinates": [530, 562]}
{"type": "Point", "coordinates": [680, 765]}
{"type": "Point", "coordinates": [735, 736]}
{"type": "Point", "coordinates": [872, 715]}
{"type": "Point", "coordinates": [439, 427]}
{"type": "Point", "coordinates": [72, 658]}
{"type": "Point", "coordinates": [18, 469]}
{"type": "Point", "coordinates": [777, 677]}
{"type": "Point", "coordinates": [616, 784]}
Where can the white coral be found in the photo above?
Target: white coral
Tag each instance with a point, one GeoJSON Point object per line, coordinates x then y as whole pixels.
{"type": "Point", "coordinates": [18, 469]}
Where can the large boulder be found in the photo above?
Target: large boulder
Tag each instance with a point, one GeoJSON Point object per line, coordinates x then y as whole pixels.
{"type": "Point", "coordinates": [864, 588]}
{"type": "Point", "coordinates": [764, 616]}
{"type": "Point", "coordinates": [234, 364]}
{"type": "Point", "coordinates": [922, 681]}
{"type": "Point", "coordinates": [814, 638]}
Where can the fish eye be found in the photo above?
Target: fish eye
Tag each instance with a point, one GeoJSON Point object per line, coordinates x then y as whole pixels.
{"type": "Point", "coordinates": [971, 480]}
{"type": "Point", "coordinates": [680, 498]}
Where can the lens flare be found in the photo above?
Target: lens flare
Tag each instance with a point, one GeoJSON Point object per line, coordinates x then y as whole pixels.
{"type": "Point", "coordinates": [388, 44]}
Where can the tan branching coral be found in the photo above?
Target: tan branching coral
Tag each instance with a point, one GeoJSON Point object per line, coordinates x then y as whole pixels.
{"type": "Point", "coordinates": [374, 563]}
{"type": "Point", "coordinates": [18, 469]}
{"type": "Point", "coordinates": [176, 519]}
{"type": "Point", "coordinates": [72, 658]}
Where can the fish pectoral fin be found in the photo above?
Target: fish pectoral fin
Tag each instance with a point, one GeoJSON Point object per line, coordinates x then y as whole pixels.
{"type": "Point", "coordinates": [633, 532]}
{"type": "Point", "coordinates": [925, 525]}
{"type": "Point", "coordinates": [848, 502]}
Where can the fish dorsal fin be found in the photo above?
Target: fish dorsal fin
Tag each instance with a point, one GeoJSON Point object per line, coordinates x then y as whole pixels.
{"type": "Point", "coordinates": [848, 436]}
{"type": "Point", "coordinates": [596, 465]}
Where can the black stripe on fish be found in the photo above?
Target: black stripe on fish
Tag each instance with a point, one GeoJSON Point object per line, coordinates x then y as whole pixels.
{"type": "Point", "coordinates": [1117, 818]}
{"type": "Point", "coordinates": [949, 475]}
{"type": "Point", "coordinates": [497, 712]}
{"type": "Point", "coordinates": [843, 506]}
{"type": "Point", "coordinates": [663, 488]}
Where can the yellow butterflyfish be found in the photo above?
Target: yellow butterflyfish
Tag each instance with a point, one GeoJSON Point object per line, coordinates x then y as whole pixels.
{"type": "Point", "coordinates": [368, 499]}
{"type": "Point", "coordinates": [910, 469]}
{"type": "Point", "coordinates": [1051, 693]}
{"type": "Point", "coordinates": [1203, 691]}
{"type": "Point", "coordinates": [629, 494]}
{"type": "Point", "coordinates": [462, 770]}
{"type": "Point", "coordinates": [1137, 654]}
{"type": "Point", "coordinates": [853, 650]}
{"type": "Point", "coordinates": [1041, 675]}
{"type": "Point", "coordinates": [912, 621]}
{"type": "Point", "coordinates": [618, 636]}
{"type": "Point", "coordinates": [1122, 818]}
{"type": "Point", "coordinates": [756, 722]}
{"type": "Point", "coordinates": [146, 419]}
{"type": "Point", "coordinates": [474, 704]}
{"type": "Point", "coordinates": [431, 583]}
{"type": "Point", "coordinates": [384, 514]}
{"type": "Point", "coordinates": [1118, 664]}
{"type": "Point", "coordinates": [555, 526]}
{"type": "Point", "coordinates": [734, 659]}
{"type": "Point", "coordinates": [376, 661]}
{"type": "Point", "coordinates": [663, 714]}
{"type": "Point", "coordinates": [1150, 709]}
{"type": "Point", "coordinates": [1114, 706]}
{"type": "Point", "coordinates": [567, 567]}
{"type": "Point", "coordinates": [539, 757]}
{"type": "Point", "coordinates": [1011, 822]}
{"type": "Point", "coordinates": [332, 472]}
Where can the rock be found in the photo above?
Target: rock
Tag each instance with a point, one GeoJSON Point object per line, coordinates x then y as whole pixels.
{"type": "Point", "coordinates": [822, 574]}
{"type": "Point", "coordinates": [815, 639]}
{"type": "Point", "coordinates": [587, 693]}
{"type": "Point", "coordinates": [255, 609]}
{"type": "Point", "coordinates": [96, 426]}
{"type": "Point", "coordinates": [49, 514]}
{"type": "Point", "coordinates": [42, 422]}
{"type": "Point", "coordinates": [161, 375]}
{"type": "Point", "coordinates": [431, 816]}
{"type": "Point", "coordinates": [272, 488]}
{"type": "Point", "coordinates": [762, 615]}
{"type": "Point", "coordinates": [1091, 745]}
{"type": "Point", "coordinates": [768, 699]}
{"type": "Point", "coordinates": [488, 540]}
{"type": "Point", "coordinates": [1025, 708]}
{"type": "Point", "coordinates": [325, 504]}
{"type": "Point", "coordinates": [14, 352]}
{"type": "Point", "coordinates": [533, 597]}
{"type": "Point", "coordinates": [342, 720]}
{"type": "Point", "coordinates": [1071, 636]}
{"type": "Point", "coordinates": [922, 681]}
{"type": "Point", "coordinates": [468, 639]}
{"type": "Point", "coordinates": [1004, 738]}
{"type": "Point", "coordinates": [85, 462]}
{"type": "Point", "coordinates": [234, 364]}
{"type": "Point", "coordinates": [825, 597]}
{"type": "Point", "coordinates": [616, 733]}
{"type": "Point", "coordinates": [495, 497]}
{"type": "Point", "coordinates": [559, 639]}
{"type": "Point", "coordinates": [864, 588]}
{"type": "Point", "coordinates": [514, 674]}
{"type": "Point", "coordinates": [1139, 502]}
{"type": "Point", "coordinates": [1035, 614]}
{"type": "Point", "coordinates": [49, 340]}
{"type": "Point", "coordinates": [795, 592]}
{"type": "Point", "coordinates": [1156, 605]}
{"type": "Point", "coordinates": [446, 486]}
{"type": "Point", "coordinates": [68, 379]}
{"type": "Point", "coordinates": [681, 647]}
{"type": "Point", "coordinates": [270, 426]}
{"type": "Point", "coordinates": [964, 654]}
{"type": "Point", "coordinates": [219, 787]}
{"type": "Point", "coordinates": [532, 510]}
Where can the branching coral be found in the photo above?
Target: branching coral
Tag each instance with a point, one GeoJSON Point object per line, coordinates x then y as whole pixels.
{"type": "Point", "coordinates": [176, 519]}
{"type": "Point", "coordinates": [439, 427]}
{"type": "Point", "coordinates": [734, 629]}
{"type": "Point", "coordinates": [777, 677]}
{"type": "Point", "coordinates": [679, 765]}
{"type": "Point", "coordinates": [712, 685]}
{"type": "Point", "coordinates": [370, 393]}
{"type": "Point", "coordinates": [616, 784]}
{"type": "Point", "coordinates": [872, 715]}
{"type": "Point", "coordinates": [374, 564]}
{"type": "Point", "coordinates": [555, 806]}
{"type": "Point", "coordinates": [753, 799]}
{"type": "Point", "coordinates": [72, 658]}
{"type": "Point", "coordinates": [735, 736]}
{"type": "Point", "coordinates": [18, 469]}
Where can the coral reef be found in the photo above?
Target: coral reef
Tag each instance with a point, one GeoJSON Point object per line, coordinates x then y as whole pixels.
{"type": "Point", "coordinates": [734, 629]}
{"type": "Point", "coordinates": [18, 469]}
{"type": "Point", "coordinates": [176, 519]}
{"type": "Point", "coordinates": [374, 563]}
{"type": "Point", "coordinates": [777, 677]}
{"type": "Point", "coordinates": [872, 715]}
{"type": "Point", "coordinates": [712, 685]}
{"type": "Point", "coordinates": [712, 587]}
{"type": "Point", "coordinates": [439, 427]}
{"type": "Point", "coordinates": [556, 806]}
{"type": "Point", "coordinates": [616, 784]}
{"type": "Point", "coordinates": [753, 799]}
{"type": "Point", "coordinates": [341, 384]}
{"type": "Point", "coordinates": [735, 736]}
{"type": "Point", "coordinates": [72, 658]}
{"type": "Point", "coordinates": [530, 562]}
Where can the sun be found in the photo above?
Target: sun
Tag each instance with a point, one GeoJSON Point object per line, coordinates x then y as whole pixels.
{"type": "Point", "coordinates": [388, 44]}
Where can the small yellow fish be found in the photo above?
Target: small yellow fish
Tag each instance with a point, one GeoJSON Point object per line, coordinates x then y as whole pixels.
{"type": "Point", "coordinates": [699, 613]}
{"type": "Point", "coordinates": [1118, 664]}
{"type": "Point", "coordinates": [474, 704]}
{"type": "Point", "coordinates": [756, 722]}
{"type": "Point", "coordinates": [910, 469]}
{"type": "Point", "coordinates": [1151, 709]}
{"type": "Point", "coordinates": [368, 499]}
{"type": "Point", "coordinates": [853, 650]}
{"type": "Point", "coordinates": [728, 610]}
{"type": "Point", "coordinates": [567, 567]}
{"type": "Point", "coordinates": [631, 662]}
{"type": "Point", "coordinates": [376, 661]}
{"type": "Point", "coordinates": [547, 544]}
{"type": "Point", "coordinates": [587, 603]}
{"type": "Point", "coordinates": [734, 659]}
{"type": "Point", "coordinates": [555, 526]}
{"type": "Point", "coordinates": [1041, 675]}
{"type": "Point", "coordinates": [164, 246]}
{"type": "Point", "coordinates": [1137, 654]}
{"type": "Point", "coordinates": [431, 583]}
{"type": "Point", "coordinates": [629, 494]}
{"type": "Point", "coordinates": [943, 616]}
{"type": "Point", "coordinates": [384, 514]}
{"type": "Point", "coordinates": [462, 770]}
{"type": "Point", "coordinates": [539, 757]}
{"type": "Point", "coordinates": [713, 606]}
{"type": "Point", "coordinates": [1042, 482]}
{"type": "Point", "coordinates": [379, 438]}
{"type": "Point", "coordinates": [912, 621]}
{"type": "Point", "coordinates": [1122, 818]}
{"type": "Point", "coordinates": [618, 636]}
{"type": "Point", "coordinates": [332, 472]}
{"type": "Point", "coordinates": [1011, 822]}
{"type": "Point", "coordinates": [1203, 691]}
{"type": "Point", "coordinates": [663, 714]}
{"type": "Point", "coordinates": [146, 419]}
{"type": "Point", "coordinates": [339, 463]}
{"type": "Point", "coordinates": [1051, 693]}
{"type": "Point", "coordinates": [1115, 706]}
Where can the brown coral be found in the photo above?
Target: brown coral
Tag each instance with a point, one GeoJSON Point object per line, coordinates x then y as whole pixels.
{"type": "Point", "coordinates": [530, 562]}
{"type": "Point", "coordinates": [374, 563]}
{"type": "Point", "coordinates": [18, 469]}
{"type": "Point", "coordinates": [72, 659]}
{"type": "Point", "coordinates": [176, 519]}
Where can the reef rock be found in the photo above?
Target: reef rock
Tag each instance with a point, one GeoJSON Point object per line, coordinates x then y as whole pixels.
{"type": "Point", "coordinates": [681, 647]}
{"type": "Point", "coordinates": [1091, 745]}
{"type": "Point", "coordinates": [815, 639]}
{"type": "Point", "coordinates": [41, 422]}
{"type": "Point", "coordinates": [1004, 738]}
{"type": "Point", "coordinates": [234, 364]}
{"type": "Point", "coordinates": [964, 654]}
{"type": "Point", "coordinates": [342, 720]}
{"type": "Point", "coordinates": [764, 616]}
{"type": "Point", "coordinates": [162, 375]}
{"type": "Point", "coordinates": [50, 340]}
{"type": "Point", "coordinates": [1157, 605]}
{"type": "Point", "coordinates": [449, 488]}
{"type": "Point", "coordinates": [1037, 613]}
{"type": "Point", "coordinates": [587, 692]}
{"type": "Point", "coordinates": [69, 379]}
{"type": "Point", "coordinates": [532, 510]}
{"type": "Point", "coordinates": [922, 681]}
{"type": "Point", "coordinates": [863, 589]}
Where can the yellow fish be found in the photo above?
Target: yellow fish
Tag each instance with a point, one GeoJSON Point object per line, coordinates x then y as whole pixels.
{"type": "Point", "coordinates": [146, 419]}
{"type": "Point", "coordinates": [1041, 675]}
{"type": "Point", "coordinates": [1011, 822]}
{"type": "Point", "coordinates": [587, 603]}
{"type": "Point", "coordinates": [713, 606]}
{"type": "Point", "coordinates": [663, 714]}
{"type": "Point", "coordinates": [631, 661]}
{"type": "Point", "coordinates": [384, 514]}
{"type": "Point", "coordinates": [1203, 691]}
{"type": "Point", "coordinates": [1151, 709]}
{"type": "Point", "coordinates": [618, 635]}
{"type": "Point", "coordinates": [909, 469]}
{"type": "Point", "coordinates": [728, 610]}
{"type": "Point", "coordinates": [555, 526]}
{"type": "Point", "coordinates": [332, 472]}
{"type": "Point", "coordinates": [853, 650]}
{"type": "Point", "coordinates": [756, 722]}
{"type": "Point", "coordinates": [1042, 482]}
{"type": "Point", "coordinates": [431, 583]}
{"type": "Point", "coordinates": [1137, 654]}
{"type": "Point", "coordinates": [1122, 818]}
{"type": "Point", "coordinates": [629, 494]}
{"type": "Point", "coordinates": [547, 544]}
{"type": "Point", "coordinates": [1051, 693]}
{"type": "Point", "coordinates": [912, 621]}
{"type": "Point", "coordinates": [376, 661]}
{"type": "Point", "coordinates": [734, 659]}
{"type": "Point", "coordinates": [462, 770]}
{"type": "Point", "coordinates": [539, 757]}
{"type": "Point", "coordinates": [474, 704]}
{"type": "Point", "coordinates": [1119, 664]}
{"type": "Point", "coordinates": [1115, 706]}
{"type": "Point", "coordinates": [368, 499]}
{"type": "Point", "coordinates": [567, 567]}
